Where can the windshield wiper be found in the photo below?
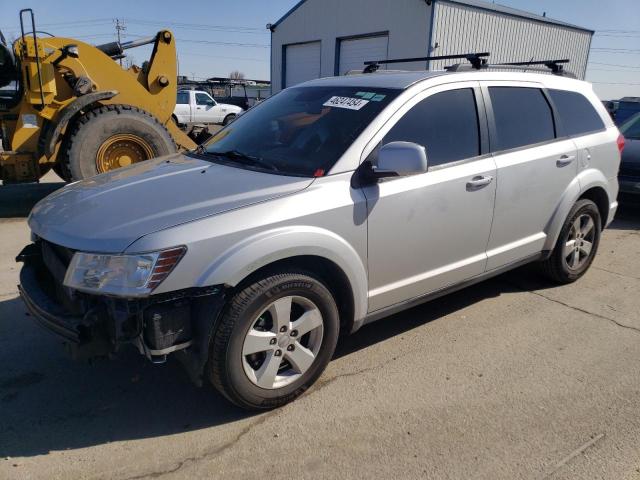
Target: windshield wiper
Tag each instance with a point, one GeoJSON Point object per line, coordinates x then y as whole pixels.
{"type": "Point", "coordinates": [240, 157]}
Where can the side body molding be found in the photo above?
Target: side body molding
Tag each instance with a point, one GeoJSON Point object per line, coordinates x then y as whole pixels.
{"type": "Point", "coordinates": [255, 252]}
{"type": "Point", "coordinates": [584, 181]}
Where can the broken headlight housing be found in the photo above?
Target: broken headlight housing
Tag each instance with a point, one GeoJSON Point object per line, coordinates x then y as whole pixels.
{"type": "Point", "coordinates": [134, 275]}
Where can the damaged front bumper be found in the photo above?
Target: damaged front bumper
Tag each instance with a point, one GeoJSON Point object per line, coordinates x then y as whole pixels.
{"type": "Point", "coordinates": [180, 322]}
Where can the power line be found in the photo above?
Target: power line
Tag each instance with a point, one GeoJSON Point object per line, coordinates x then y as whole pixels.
{"type": "Point", "coordinates": [614, 65]}
{"type": "Point", "coordinates": [201, 26]}
{"type": "Point", "coordinates": [189, 54]}
{"type": "Point", "coordinates": [616, 83]}
{"type": "Point", "coordinates": [211, 42]}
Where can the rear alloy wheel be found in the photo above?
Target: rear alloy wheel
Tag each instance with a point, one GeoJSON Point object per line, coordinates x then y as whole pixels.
{"type": "Point", "coordinates": [577, 244]}
{"type": "Point", "coordinates": [274, 340]}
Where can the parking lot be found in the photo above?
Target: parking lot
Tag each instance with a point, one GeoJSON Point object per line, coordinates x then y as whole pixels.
{"type": "Point", "coordinates": [511, 378]}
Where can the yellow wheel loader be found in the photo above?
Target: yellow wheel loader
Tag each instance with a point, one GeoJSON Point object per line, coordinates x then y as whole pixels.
{"type": "Point", "coordinates": [69, 106]}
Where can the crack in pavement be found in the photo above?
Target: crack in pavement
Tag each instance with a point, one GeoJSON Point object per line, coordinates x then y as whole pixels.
{"type": "Point", "coordinates": [615, 273]}
{"type": "Point", "coordinates": [574, 454]}
{"type": "Point", "coordinates": [577, 309]}
{"type": "Point", "coordinates": [196, 458]}
{"type": "Point", "coordinates": [225, 446]}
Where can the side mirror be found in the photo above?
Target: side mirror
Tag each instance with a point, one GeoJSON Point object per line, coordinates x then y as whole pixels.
{"type": "Point", "coordinates": [399, 159]}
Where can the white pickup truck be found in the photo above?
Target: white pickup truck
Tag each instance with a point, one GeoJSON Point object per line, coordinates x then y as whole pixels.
{"type": "Point", "coordinates": [196, 106]}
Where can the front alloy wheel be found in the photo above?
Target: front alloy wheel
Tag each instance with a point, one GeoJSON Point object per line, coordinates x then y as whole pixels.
{"type": "Point", "coordinates": [274, 339]}
{"type": "Point", "coordinates": [283, 342]}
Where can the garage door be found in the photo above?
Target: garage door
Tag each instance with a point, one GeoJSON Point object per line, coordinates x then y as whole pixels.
{"type": "Point", "coordinates": [302, 63]}
{"type": "Point", "coordinates": [353, 53]}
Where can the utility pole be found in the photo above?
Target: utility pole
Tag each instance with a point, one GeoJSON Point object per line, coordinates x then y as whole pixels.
{"type": "Point", "coordinates": [120, 27]}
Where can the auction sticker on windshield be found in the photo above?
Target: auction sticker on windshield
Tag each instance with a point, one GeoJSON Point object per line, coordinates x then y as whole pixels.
{"type": "Point", "coordinates": [346, 102]}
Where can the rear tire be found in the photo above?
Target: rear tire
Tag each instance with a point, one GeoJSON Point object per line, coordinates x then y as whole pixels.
{"type": "Point", "coordinates": [229, 118]}
{"type": "Point", "coordinates": [114, 136]}
{"type": "Point", "coordinates": [577, 244]}
{"type": "Point", "coordinates": [266, 312]}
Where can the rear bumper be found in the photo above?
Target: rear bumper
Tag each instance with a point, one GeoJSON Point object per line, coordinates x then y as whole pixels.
{"type": "Point", "coordinates": [629, 186]}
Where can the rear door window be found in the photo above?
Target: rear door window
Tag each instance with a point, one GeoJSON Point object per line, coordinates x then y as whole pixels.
{"type": "Point", "coordinates": [576, 113]}
{"type": "Point", "coordinates": [445, 123]}
{"type": "Point", "coordinates": [522, 116]}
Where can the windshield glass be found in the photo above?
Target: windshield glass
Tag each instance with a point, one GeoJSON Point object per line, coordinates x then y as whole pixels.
{"type": "Point", "coordinates": [631, 128]}
{"type": "Point", "coordinates": [300, 131]}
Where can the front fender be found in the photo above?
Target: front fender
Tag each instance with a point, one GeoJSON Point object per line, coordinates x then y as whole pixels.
{"type": "Point", "coordinates": [262, 249]}
{"type": "Point", "coordinates": [584, 181]}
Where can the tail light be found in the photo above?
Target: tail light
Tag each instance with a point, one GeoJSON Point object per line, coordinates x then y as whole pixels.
{"type": "Point", "coordinates": [620, 143]}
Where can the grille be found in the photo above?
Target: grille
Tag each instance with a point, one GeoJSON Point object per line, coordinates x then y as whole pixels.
{"type": "Point", "coordinates": [56, 259]}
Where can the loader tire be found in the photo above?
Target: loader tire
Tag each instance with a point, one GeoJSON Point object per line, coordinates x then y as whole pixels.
{"type": "Point", "coordinates": [114, 136]}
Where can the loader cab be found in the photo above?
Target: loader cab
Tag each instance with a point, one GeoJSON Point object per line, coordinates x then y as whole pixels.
{"type": "Point", "coordinates": [9, 77]}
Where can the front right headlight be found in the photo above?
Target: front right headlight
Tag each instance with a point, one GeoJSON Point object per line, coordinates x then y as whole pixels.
{"type": "Point", "coordinates": [123, 275]}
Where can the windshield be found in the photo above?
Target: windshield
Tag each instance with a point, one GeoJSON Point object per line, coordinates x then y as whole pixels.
{"type": "Point", "coordinates": [631, 128]}
{"type": "Point", "coordinates": [300, 131]}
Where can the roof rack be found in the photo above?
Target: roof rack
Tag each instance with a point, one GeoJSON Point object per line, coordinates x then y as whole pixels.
{"type": "Point", "coordinates": [556, 66]}
{"type": "Point", "coordinates": [476, 59]}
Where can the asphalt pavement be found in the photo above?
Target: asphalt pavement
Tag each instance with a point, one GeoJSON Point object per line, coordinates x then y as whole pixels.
{"type": "Point", "coordinates": [512, 378]}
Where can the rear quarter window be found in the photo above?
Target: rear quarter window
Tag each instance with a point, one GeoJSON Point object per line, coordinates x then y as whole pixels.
{"type": "Point", "coordinates": [576, 113]}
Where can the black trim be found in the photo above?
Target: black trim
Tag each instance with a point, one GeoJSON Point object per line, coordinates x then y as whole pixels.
{"type": "Point", "coordinates": [338, 45]}
{"type": "Point", "coordinates": [398, 307]}
{"type": "Point", "coordinates": [48, 313]}
{"type": "Point", "coordinates": [558, 127]}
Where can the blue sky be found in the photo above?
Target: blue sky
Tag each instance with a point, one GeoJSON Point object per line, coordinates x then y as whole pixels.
{"type": "Point", "coordinates": [215, 38]}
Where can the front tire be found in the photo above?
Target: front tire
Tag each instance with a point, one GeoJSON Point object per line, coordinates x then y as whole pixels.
{"type": "Point", "coordinates": [274, 340]}
{"type": "Point", "coordinates": [577, 244]}
{"type": "Point", "coordinates": [229, 118]}
{"type": "Point", "coordinates": [114, 136]}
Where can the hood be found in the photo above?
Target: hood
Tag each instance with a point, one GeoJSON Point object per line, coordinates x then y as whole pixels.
{"type": "Point", "coordinates": [108, 212]}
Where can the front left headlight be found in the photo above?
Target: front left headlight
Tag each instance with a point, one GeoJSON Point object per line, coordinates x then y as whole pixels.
{"type": "Point", "coordinates": [124, 275]}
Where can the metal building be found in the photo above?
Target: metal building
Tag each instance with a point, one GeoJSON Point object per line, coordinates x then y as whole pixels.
{"type": "Point", "coordinates": [319, 38]}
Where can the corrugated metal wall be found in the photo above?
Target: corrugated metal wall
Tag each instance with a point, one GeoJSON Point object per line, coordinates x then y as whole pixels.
{"type": "Point", "coordinates": [461, 29]}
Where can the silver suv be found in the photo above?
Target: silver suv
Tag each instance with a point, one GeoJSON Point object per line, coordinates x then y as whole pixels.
{"type": "Point", "coordinates": [328, 206]}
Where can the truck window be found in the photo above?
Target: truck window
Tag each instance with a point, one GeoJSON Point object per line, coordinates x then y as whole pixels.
{"type": "Point", "coordinates": [204, 99]}
{"type": "Point", "coordinates": [183, 98]}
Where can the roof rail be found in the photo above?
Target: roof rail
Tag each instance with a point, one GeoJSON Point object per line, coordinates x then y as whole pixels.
{"type": "Point", "coordinates": [476, 59]}
{"type": "Point", "coordinates": [556, 66]}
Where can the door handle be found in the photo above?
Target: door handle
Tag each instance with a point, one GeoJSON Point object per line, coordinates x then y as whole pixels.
{"type": "Point", "coordinates": [198, 108]}
{"type": "Point", "coordinates": [478, 182]}
{"type": "Point", "coordinates": [565, 160]}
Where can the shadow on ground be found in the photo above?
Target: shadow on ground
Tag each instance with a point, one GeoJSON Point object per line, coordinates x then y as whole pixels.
{"type": "Point", "coordinates": [49, 402]}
